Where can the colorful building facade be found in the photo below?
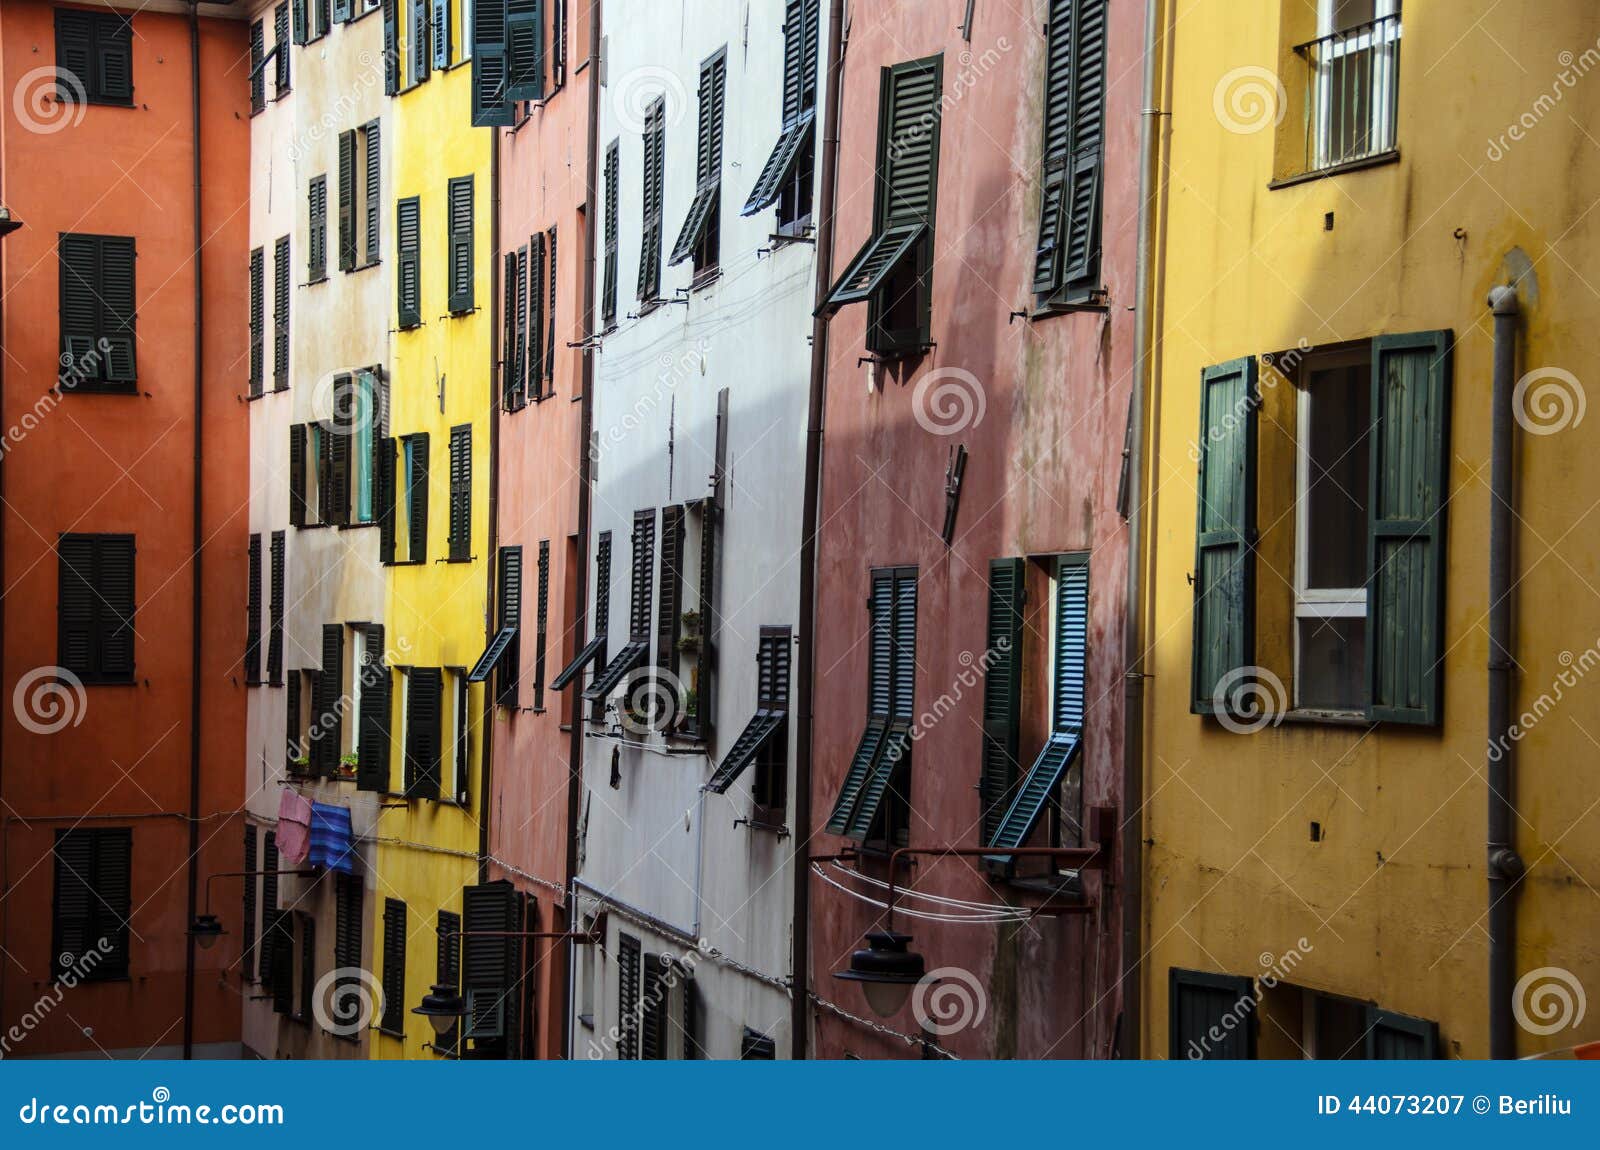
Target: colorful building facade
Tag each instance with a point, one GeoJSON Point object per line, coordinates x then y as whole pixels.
{"type": "Point", "coordinates": [122, 168]}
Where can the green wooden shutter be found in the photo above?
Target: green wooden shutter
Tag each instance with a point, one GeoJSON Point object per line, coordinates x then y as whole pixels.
{"type": "Point", "coordinates": [252, 623]}
{"type": "Point", "coordinates": [280, 313]}
{"type": "Point", "coordinates": [258, 72]}
{"type": "Point", "coordinates": [408, 247]}
{"type": "Point", "coordinates": [541, 637]}
{"type": "Point", "coordinates": [348, 891]}
{"type": "Point", "coordinates": [669, 604]}
{"type": "Point", "coordinates": [628, 976]}
{"type": "Point", "coordinates": [276, 612]}
{"type": "Point", "coordinates": [328, 739]}
{"type": "Point", "coordinates": [525, 49]}
{"type": "Point", "coordinates": [1210, 1017]}
{"type": "Point", "coordinates": [377, 685]}
{"type": "Point", "coordinates": [1081, 219]}
{"type": "Point", "coordinates": [74, 53]}
{"type": "Point", "coordinates": [417, 484]}
{"type": "Point", "coordinates": [550, 341]}
{"type": "Point", "coordinates": [385, 495]}
{"type": "Point", "coordinates": [308, 965]}
{"type": "Point", "coordinates": [441, 34]}
{"type": "Point", "coordinates": [461, 493]}
{"type": "Point", "coordinates": [1057, 152]}
{"type": "Point", "coordinates": [655, 155]}
{"type": "Point", "coordinates": [703, 210]}
{"type": "Point", "coordinates": [1225, 531]}
{"type": "Point", "coordinates": [491, 100]}
{"type": "Point", "coordinates": [293, 749]}
{"type": "Point", "coordinates": [248, 912]}
{"type": "Point", "coordinates": [421, 45]}
{"type": "Point", "coordinates": [300, 12]}
{"type": "Point", "coordinates": [257, 319]}
{"type": "Point", "coordinates": [908, 156]}
{"type": "Point", "coordinates": [347, 200]}
{"type": "Point", "coordinates": [80, 307]}
{"type": "Point", "coordinates": [488, 962]}
{"type": "Point", "coordinates": [531, 294]}
{"type": "Point", "coordinates": [608, 300]}
{"type": "Point", "coordinates": [509, 398]}
{"type": "Point", "coordinates": [644, 548]}
{"type": "Point", "coordinates": [394, 967]}
{"type": "Point", "coordinates": [424, 694]}
{"type": "Point", "coordinates": [391, 42]}
{"type": "Point", "coordinates": [114, 64]}
{"type": "Point", "coordinates": [343, 11]}
{"type": "Point", "coordinates": [317, 215]}
{"type": "Point", "coordinates": [280, 40]}
{"type": "Point", "coordinates": [461, 254]}
{"type": "Point", "coordinates": [509, 606]}
{"type": "Point", "coordinates": [706, 672]}
{"type": "Point", "coordinates": [1002, 691]}
{"type": "Point", "coordinates": [447, 969]}
{"type": "Point", "coordinates": [118, 307]}
{"type": "Point", "coordinates": [297, 475]}
{"type": "Point", "coordinates": [279, 937]}
{"type": "Point", "coordinates": [1410, 474]}
{"type": "Point", "coordinates": [373, 191]}
{"type": "Point", "coordinates": [1399, 1036]}
{"type": "Point", "coordinates": [346, 407]}
{"type": "Point", "coordinates": [115, 575]}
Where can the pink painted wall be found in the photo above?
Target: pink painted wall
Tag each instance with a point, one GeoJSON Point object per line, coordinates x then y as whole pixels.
{"type": "Point", "coordinates": [1042, 478]}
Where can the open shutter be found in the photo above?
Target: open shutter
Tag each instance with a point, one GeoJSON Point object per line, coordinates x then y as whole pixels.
{"type": "Point", "coordinates": [301, 11]}
{"type": "Point", "coordinates": [373, 192]}
{"type": "Point", "coordinates": [1002, 691]}
{"type": "Point", "coordinates": [510, 399]}
{"type": "Point", "coordinates": [643, 575]}
{"type": "Point", "coordinates": [280, 313]}
{"type": "Point", "coordinates": [279, 939]}
{"type": "Point", "coordinates": [1081, 220]}
{"type": "Point", "coordinates": [347, 914]}
{"type": "Point", "coordinates": [346, 407]}
{"type": "Point", "coordinates": [276, 612]}
{"type": "Point", "coordinates": [608, 301]}
{"type": "Point", "coordinates": [317, 215]}
{"type": "Point", "coordinates": [293, 751]}
{"type": "Point", "coordinates": [655, 152]}
{"type": "Point", "coordinates": [508, 671]}
{"type": "Point", "coordinates": [408, 247]}
{"type": "Point", "coordinates": [394, 967]}
{"type": "Point", "coordinates": [530, 313]}
{"type": "Point", "coordinates": [491, 100]}
{"type": "Point", "coordinates": [308, 965]}
{"type": "Point", "coordinates": [248, 912]}
{"type": "Point", "coordinates": [550, 340]}
{"type": "Point", "coordinates": [488, 961]}
{"type": "Point", "coordinates": [328, 738]}
{"type": "Point", "coordinates": [424, 692]}
{"type": "Point", "coordinates": [417, 454]}
{"type": "Point", "coordinates": [391, 43]}
{"type": "Point", "coordinates": [669, 605]}
{"type": "Point", "coordinates": [421, 45]}
{"type": "Point", "coordinates": [72, 899]}
{"type": "Point", "coordinates": [542, 608]}
{"type": "Point", "coordinates": [447, 970]}
{"type": "Point", "coordinates": [386, 499]}
{"type": "Point", "coordinates": [629, 963]}
{"type": "Point", "coordinates": [441, 34]}
{"type": "Point", "coordinates": [1410, 473]}
{"type": "Point", "coordinates": [461, 493]}
{"type": "Point", "coordinates": [347, 200]}
{"type": "Point", "coordinates": [1057, 144]}
{"type": "Point", "coordinates": [1225, 533]}
{"type": "Point", "coordinates": [524, 49]}
{"type": "Point", "coordinates": [252, 623]}
{"type": "Point", "coordinates": [297, 475]}
{"type": "Point", "coordinates": [280, 41]}
{"type": "Point", "coordinates": [74, 53]}
{"type": "Point", "coordinates": [461, 229]}
{"type": "Point", "coordinates": [257, 319]}
{"type": "Point", "coordinates": [377, 684]}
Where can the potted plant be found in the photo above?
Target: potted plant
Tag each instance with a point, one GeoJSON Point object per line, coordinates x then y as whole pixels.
{"type": "Point", "coordinates": [347, 765]}
{"type": "Point", "coordinates": [689, 639]}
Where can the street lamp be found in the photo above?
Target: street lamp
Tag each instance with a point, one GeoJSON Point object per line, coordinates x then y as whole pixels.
{"type": "Point", "coordinates": [206, 927]}
{"type": "Point", "coordinates": [886, 970]}
{"type": "Point", "coordinates": [442, 1007]}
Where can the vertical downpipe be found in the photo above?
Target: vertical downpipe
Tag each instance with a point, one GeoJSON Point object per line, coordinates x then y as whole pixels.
{"type": "Point", "coordinates": [800, 1006]}
{"type": "Point", "coordinates": [197, 544]}
{"type": "Point", "coordinates": [1504, 864]}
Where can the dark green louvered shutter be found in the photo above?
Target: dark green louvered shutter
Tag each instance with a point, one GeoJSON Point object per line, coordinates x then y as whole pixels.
{"type": "Point", "coordinates": [487, 961]}
{"type": "Point", "coordinates": [247, 924]}
{"type": "Point", "coordinates": [699, 231]}
{"type": "Point", "coordinates": [655, 157]}
{"type": "Point", "coordinates": [257, 319]}
{"type": "Point", "coordinates": [373, 191]}
{"type": "Point", "coordinates": [710, 570]}
{"type": "Point", "coordinates": [252, 623]}
{"type": "Point", "coordinates": [491, 101]}
{"type": "Point", "coordinates": [424, 692]}
{"type": "Point", "coordinates": [509, 608]}
{"type": "Point", "coordinates": [541, 639]}
{"type": "Point", "coordinates": [347, 200]}
{"type": "Point", "coordinates": [1057, 144]}
{"type": "Point", "coordinates": [114, 63]}
{"type": "Point", "coordinates": [531, 293]}
{"type": "Point", "coordinates": [461, 493]}
{"type": "Point", "coordinates": [629, 963]}
{"type": "Point", "coordinates": [421, 46]}
{"type": "Point", "coordinates": [510, 397]}
{"type": "Point", "coordinates": [643, 575]}
{"type": "Point", "coordinates": [280, 313]}
{"type": "Point", "coordinates": [1410, 475]}
{"type": "Point", "coordinates": [1002, 691]}
{"type": "Point", "coordinates": [377, 684]}
{"type": "Point", "coordinates": [1225, 532]}
{"type": "Point", "coordinates": [317, 234]}
{"type": "Point", "coordinates": [1210, 1016]}
{"type": "Point", "coordinates": [608, 295]}
{"type": "Point", "coordinates": [95, 608]}
{"type": "Point", "coordinates": [461, 255]}
{"type": "Point", "coordinates": [115, 571]}
{"type": "Point", "coordinates": [308, 965]}
{"type": "Point", "coordinates": [301, 35]}
{"type": "Point", "coordinates": [417, 452]}
{"type": "Point", "coordinates": [74, 53]}
{"type": "Point", "coordinates": [550, 341]}
{"type": "Point", "coordinates": [80, 307]}
{"type": "Point", "coordinates": [394, 967]}
{"type": "Point", "coordinates": [1392, 1036]}
{"type": "Point", "coordinates": [385, 495]}
{"type": "Point", "coordinates": [447, 969]}
{"type": "Point", "coordinates": [258, 71]}
{"type": "Point", "coordinates": [408, 247]}
{"type": "Point", "coordinates": [800, 31]}
{"type": "Point", "coordinates": [293, 750]}
{"type": "Point", "coordinates": [391, 44]}
{"type": "Point", "coordinates": [92, 900]}
{"type": "Point", "coordinates": [269, 905]}
{"type": "Point", "coordinates": [524, 49]}
{"type": "Point", "coordinates": [347, 405]}
{"type": "Point", "coordinates": [669, 604]}
{"type": "Point", "coordinates": [348, 892]}
{"type": "Point", "coordinates": [441, 34]}
{"type": "Point", "coordinates": [118, 306]}
{"type": "Point", "coordinates": [329, 735]}
{"type": "Point", "coordinates": [280, 40]}
{"type": "Point", "coordinates": [75, 606]}
{"type": "Point", "coordinates": [297, 475]}
{"type": "Point", "coordinates": [276, 612]}
{"type": "Point", "coordinates": [281, 939]}
{"type": "Point", "coordinates": [342, 10]}
{"type": "Point", "coordinates": [880, 703]}
{"type": "Point", "coordinates": [1068, 250]}
{"type": "Point", "coordinates": [653, 1021]}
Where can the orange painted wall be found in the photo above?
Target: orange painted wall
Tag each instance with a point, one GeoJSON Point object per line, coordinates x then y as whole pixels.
{"type": "Point", "coordinates": [124, 463]}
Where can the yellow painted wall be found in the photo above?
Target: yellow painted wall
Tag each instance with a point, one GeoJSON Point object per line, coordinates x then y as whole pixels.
{"type": "Point", "coordinates": [1391, 902]}
{"type": "Point", "coordinates": [436, 611]}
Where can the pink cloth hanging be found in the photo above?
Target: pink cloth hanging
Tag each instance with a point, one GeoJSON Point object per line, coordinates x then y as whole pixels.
{"type": "Point", "coordinates": [294, 826]}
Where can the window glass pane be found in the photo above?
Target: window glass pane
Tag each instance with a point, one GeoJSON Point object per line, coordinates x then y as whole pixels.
{"type": "Point", "coordinates": [1335, 501]}
{"type": "Point", "coordinates": [366, 416]}
{"type": "Point", "coordinates": [1350, 13]}
{"type": "Point", "coordinates": [1332, 664]}
{"type": "Point", "coordinates": [411, 491]}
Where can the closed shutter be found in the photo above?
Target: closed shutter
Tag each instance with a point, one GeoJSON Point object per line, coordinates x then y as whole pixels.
{"type": "Point", "coordinates": [95, 606]}
{"type": "Point", "coordinates": [655, 158]}
{"type": "Point", "coordinates": [628, 975]}
{"type": "Point", "coordinates": [294, 749]}
{"type": "Point", "coordinates": [542, 640]}
{"type": "Point", "coordinates": [1399, 1036]}
{"type": "Point", "coordinates": [1002, 691]}
{"type": "Point", "coordinates": [525, 49]}
{"type": "Point", "coordinates": [297, 475]}
{"type": "Point", "coordinates": [386, 496]}
{"type": "Point", "coordinates": [408, 247]}
{"type": "Point", "coordinates": [657, 992]}
{"type": "Point", "coordinates": [269, 902]}
{"type": "Point", "coordinates": [341, 11]}
{"type": "Point", "coordinates": [347, 406]}
{"type": "Point", "coordinates": [279, 938]}
{"type": "Point", "coordinates": [608, 298]}
{"type": "Point", "coordinates": [441, 34]}
{"type": "Point", "coordinates": [489, 910]}
{"type": "Point", "coordinates": [301, 33]}
{"type": "Point", "coordinates": [280, 313]}
{"type": "Point", "coordinates": [424, 692]}
{"type": "Point", "coordinates": [1225, 533]}
{"type": "Point", "coordinates": [461, 230]}
{"type": "Point", "coordinates": [491, 101]}
{"type": "Point", "coordinates": [252, 623]}
{"type": "Point", "coordinates": [97, 309]}
{"type": "Point", "coordinates": [308, 965]}
{"type": "Point", "coordinates": [115, 604]}
{"type": "Point", "coordinates": [348, 894]}
{"type": "Point", "coordinates": [92, 901]}
{"type": "Point", "coordinates": [461, 493]}
{"type": "Point", "coordinates": [1068, 249]}
{"type": "Point", "coordinates": [391, 44]}
{"type": "Point", "coordinates": [394, 967]}
{"type": "Point", "coordinates": [257, 319]}
{"type": "Point", "coordinates": [372, 193]}
{"type": "Point", "coordinates": [347, 200]}
{"type": "Point", "coordinates": [417, 481]}
{"type": "Point", "coordinates": [644, 554]}
{"type": "Point", "coordinates": [510, 399]}
{"type": "Point", "coordinates": [1210, 1016]}
{"type": "Point", "coordinates": [76, 608]}
{"type": "Point", "coordinates": [258, 71]}
{"type": "Point", "coordinates": [276, 612]}
{"type": "Point", "coordinates": [317, 215]}
{"type": "Point", "coordinates": [117, 289]}
{"type": "Point", "coordinates": [447, 970]}
{"type": "Point", "coordinates": [377, 685]}
{"type": "Point", "coordinates": [421, 45]}
{"type": "Point", "coordinates": [74, 54]}
{"type": "Point", "coordinates": [280, 40]}
{"type": "Point", "coordinates": [252, 881]}
{"type": "Point", "coordinates": [669, 605]}
{"type": "Point", "coordinates": [509, 599]}
{"type": "Point", "coordinates": [533, 315]}
{"type": "Point", "coordinates": [710, 577]}
{"type": "Point", "coordinates": [1410, 474]}
{"type": "Point", "coordinates": [328, 719]}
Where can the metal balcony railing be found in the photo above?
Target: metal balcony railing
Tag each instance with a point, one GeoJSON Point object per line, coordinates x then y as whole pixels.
{"type": "Point", "coordinates": [1352, 78]}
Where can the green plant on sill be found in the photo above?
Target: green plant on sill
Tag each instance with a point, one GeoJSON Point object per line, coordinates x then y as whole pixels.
{"type": "Point", "coordinates": [351, 760]}
{"type": "Point", "coordinates": [691, 703]}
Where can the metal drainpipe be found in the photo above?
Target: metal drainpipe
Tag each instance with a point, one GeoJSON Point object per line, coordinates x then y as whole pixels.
{"type": "Point", "coordinates": [1504, 864]}
{"type": "Point", "coordinates": [197, 543]}
{"type": "Point", "coordinates": [591, 221]}
{"type": "Point", "coordinates": [1131, 838]}
{"type": "Point", "coordinates": [800, 1006]}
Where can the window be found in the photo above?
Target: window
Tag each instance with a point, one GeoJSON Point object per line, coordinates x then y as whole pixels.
{"type": "Point", "coordinates": [94, 57]}
{"type": "Point", "coordinates": [317, 229]}
{"type": "Point", "coordinates": [460, 540]}
{"type": "Point", "coordinates": [414, 453]}
{"type": "Point", "coordinates": [376, 687]}
{"type": "Point", "coordinates": [447, 972]}
{"type": "Point", "coordinates": [488, 962]}
{"type": "Point", "coordinates": [874, 799]}
{"type": "Point", "coordinates": [593, 651]}
{"type": "Point", "coordinates": [1354, 65]}
{"type": "Point", "coordinates": [394, 968]}
{"type": "Point", "coordinates": [657, 1005]}
{"type": "Point", "coordinates": [97, 313]}
{"type": "Point", "coordinates": [893, 272]}
{"type": "Point", "coordinates": [1067, 256]}
{"type": "Point", "coordinates": [541, 638]}
{"type": "Point", "coordinates": [322, 18]}
{"type": "Point", "coordinates": [788, 176]}
{"type": "Point", "coordinates": [699, 237]}
{"type": "Point", "coordinates": [258, 67]}
{"type": "Point", "coordinates": [637, 651]}
{"type": "Point", "coordinates": [491, 96]}
{"type": "Point", "coordinates": [252, 625]}
{"type": "Point", "coordinates": [275, 625]}
{"type": "Point", "coordinates": [280, 45]}
{"type": "Point", "coordinates": [421, 43]}
{"type": "Point", "coordinates": [327, 706]}
{"type": "Point", "coordinates": [92, 903]}
{"type": "Point", "coordinates": [372, 189]}
{"type": "Point", "coordinates": [460, 232]}
{"type": "Point", "coordinates": [280, 314]}
{"type": "Point", "coordinates": [1210, 1016]}
{"type": "Point", "coordinates": [1334, 428]}
{"type": "Point", "coordinates": [348, 894]}
{"type": "Point", "coordinates": [408, 250]}
{"type": "Point", "coordinates": [458, 754]}
{"type": "Point", "coordinates": [363, 418]}
{"type": "Point", "coordinates": [257, 319]}
{"type": "Point", "coordinates": [96, 609]}
{"type": "Point", "coordinates": [301, 13]}
{"type": "Point", "coordinates": [655, 160]}
{"type": "Point", "coordinates": [608, 297]}
{"type": "Point", "coordinates": [424, 695]}
{"type": "Point", "coordinates": [765, 740]}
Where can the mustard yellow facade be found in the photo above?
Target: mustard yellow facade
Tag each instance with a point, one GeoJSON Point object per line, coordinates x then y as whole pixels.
{"type": "Point", "coordinates": [1339, 188]}
{"type": "Point", "coordinates": [436, 606]}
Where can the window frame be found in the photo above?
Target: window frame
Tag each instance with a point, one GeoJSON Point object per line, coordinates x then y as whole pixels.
{"type": "Point", "coordinates": [1385, 46]}
{"type": "Point", "coordinates": [113, 27]}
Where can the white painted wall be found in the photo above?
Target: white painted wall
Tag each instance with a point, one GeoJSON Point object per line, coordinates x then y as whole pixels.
{"type": "Point", "coordinates": [652, 844]}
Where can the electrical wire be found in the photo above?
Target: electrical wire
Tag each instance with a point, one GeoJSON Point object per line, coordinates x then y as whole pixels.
{"type": "Point", "coordinates": [1012, 915]}
{"type": "Point", "coordinates": [912, 892]}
